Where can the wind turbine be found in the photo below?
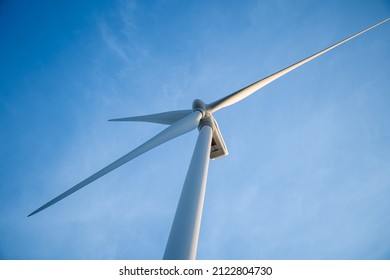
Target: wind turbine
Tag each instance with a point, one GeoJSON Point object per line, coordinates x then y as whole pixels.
{"type": "Point", "coordinates": [183, 239]}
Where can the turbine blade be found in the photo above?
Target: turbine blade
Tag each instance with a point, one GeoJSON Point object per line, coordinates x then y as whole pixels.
{"type": "Point", "coordinates": [245, 92]}
{"type": "Point", "coordinates": [163, 118]}
{"type": "Point", "coordinates": [182, 126]}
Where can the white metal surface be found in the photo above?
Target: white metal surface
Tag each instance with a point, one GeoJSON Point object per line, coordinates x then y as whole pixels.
{"type": "Point", "coordinates": [180, 127]}
{"type": "Point", "coordinates": [183, 238]}
{"type": "Point", "coordinates": [245, 92]}
{"type": "Point", "coordinates": [163, 118]}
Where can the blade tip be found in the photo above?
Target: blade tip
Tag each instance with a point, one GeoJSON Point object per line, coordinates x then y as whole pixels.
{"type": "Point", "coordinates": [34, 212]}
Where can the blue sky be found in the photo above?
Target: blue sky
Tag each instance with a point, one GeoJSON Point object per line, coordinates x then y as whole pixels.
{"type": "Point", "coordinates": [308, 174]}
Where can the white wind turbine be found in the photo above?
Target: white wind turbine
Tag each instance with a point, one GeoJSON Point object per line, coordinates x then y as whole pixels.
{"type": "Point", "coordinates": [183, 238]}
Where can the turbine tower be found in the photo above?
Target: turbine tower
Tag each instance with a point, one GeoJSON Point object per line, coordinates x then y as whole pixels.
{"type": "Point", "coordinates": [183, 238]}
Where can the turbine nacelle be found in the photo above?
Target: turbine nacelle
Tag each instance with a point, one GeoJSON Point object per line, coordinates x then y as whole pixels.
{"type": "Point", "coordinates": [218, 146]}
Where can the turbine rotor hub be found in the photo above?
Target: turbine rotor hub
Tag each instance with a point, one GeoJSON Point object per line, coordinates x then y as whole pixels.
{"type": "Point", "coordinates": [199, 105]}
